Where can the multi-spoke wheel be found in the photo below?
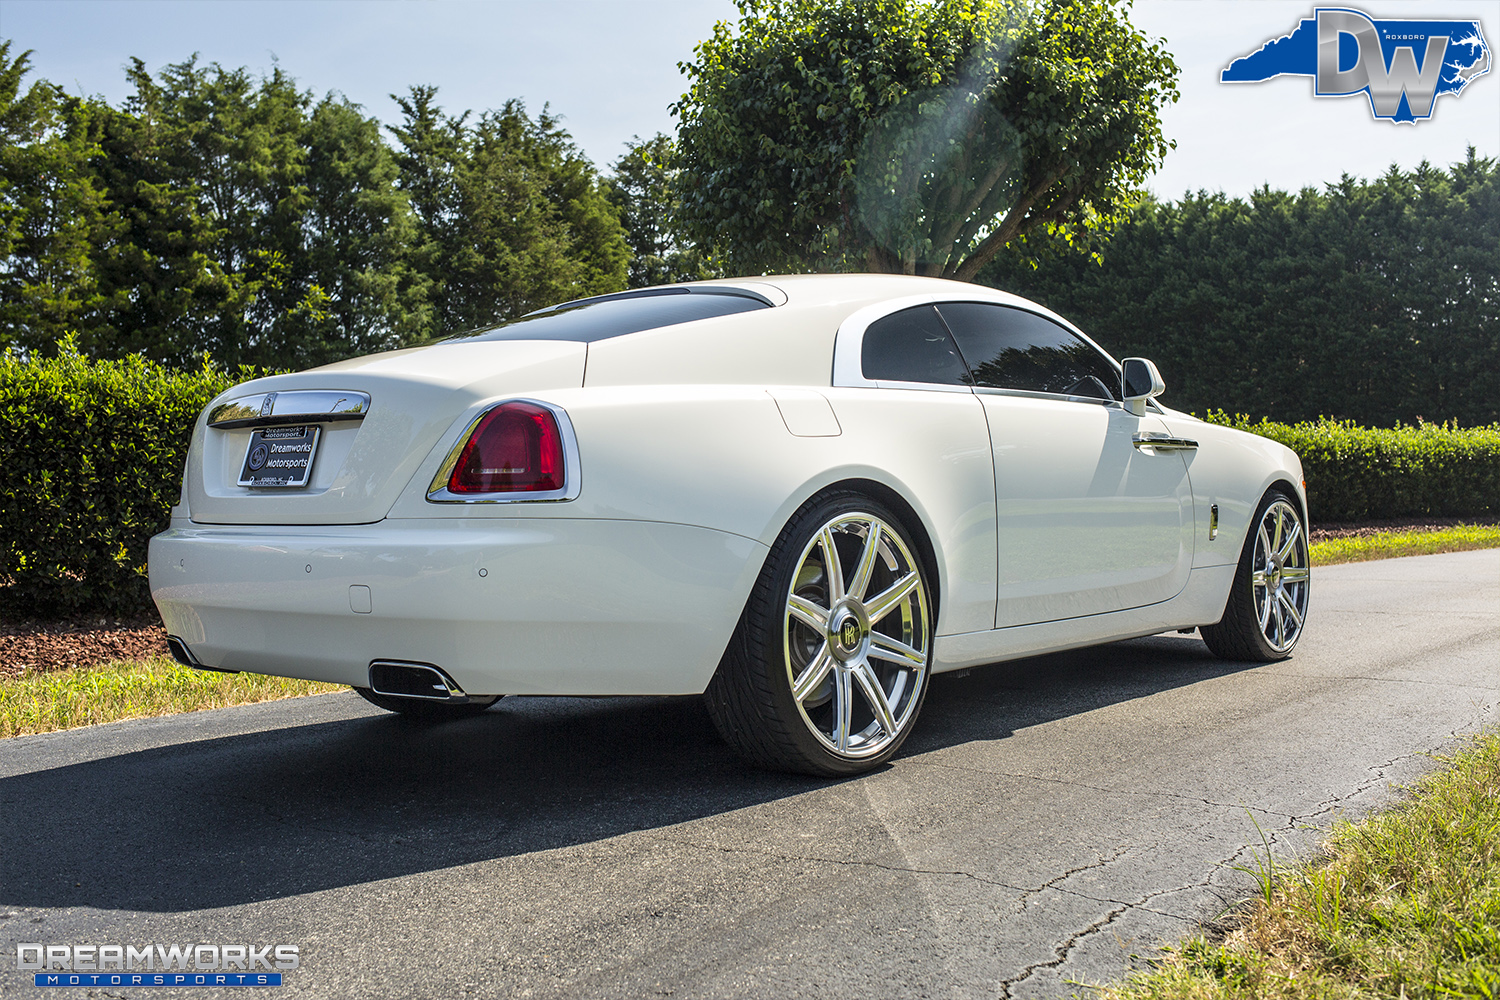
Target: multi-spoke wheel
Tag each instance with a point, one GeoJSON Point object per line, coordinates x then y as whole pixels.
{"type": "Point", "coordinates": [828, 668]}
{"type": "Point", "coordinates": [1268, 602]}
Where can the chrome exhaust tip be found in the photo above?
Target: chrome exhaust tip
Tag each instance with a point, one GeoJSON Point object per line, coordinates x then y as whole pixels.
{"type": "Point", "coordinates": [421, 681]}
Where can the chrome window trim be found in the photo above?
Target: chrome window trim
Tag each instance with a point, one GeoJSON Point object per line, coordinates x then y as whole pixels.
{"type": "Point", "coordinates": [985, 390]}
{"type": "Point", "coordinates": [923, 386]}
{"type": "Point", "coordinates": [848, 342]}
{"type": "Point", "coordinates": [289, 406]}
{"type": "Point", "coordinates": [438, 492]}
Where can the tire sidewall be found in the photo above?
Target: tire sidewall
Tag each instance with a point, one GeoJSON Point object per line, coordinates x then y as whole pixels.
{"type": "Point", "coordinates": [1243, 590]}
{"type": "Point", "coordinates": [777, 577]}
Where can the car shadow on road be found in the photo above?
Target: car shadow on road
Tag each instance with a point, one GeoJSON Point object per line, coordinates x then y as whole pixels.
{"type": "Point", "coordinates": [271, 814]}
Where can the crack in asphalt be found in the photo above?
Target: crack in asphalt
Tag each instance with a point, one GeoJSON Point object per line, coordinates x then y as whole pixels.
{"type": "Point", "coordinates": [1103, 788]}
{"type": "Point", "coordinates": [1026, 891]}
{"type": "Point", "coordinates": [1330, 804]}
{"type": "Point", "coordinates": [1053, 882]}
{"type": "Point", "coordinates": [1064, 949]}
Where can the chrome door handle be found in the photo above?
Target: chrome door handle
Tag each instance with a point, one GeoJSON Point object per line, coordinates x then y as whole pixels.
{"type": "Point", "coordinates": [1163, 442]}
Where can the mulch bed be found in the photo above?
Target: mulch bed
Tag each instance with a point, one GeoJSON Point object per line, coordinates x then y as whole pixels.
{"type": "Point", "coordinates": [83, 641]}
{"type": "Point", "coordinates": [78, 641]}
{"type": "Point", "coordinates": [1364, 529]}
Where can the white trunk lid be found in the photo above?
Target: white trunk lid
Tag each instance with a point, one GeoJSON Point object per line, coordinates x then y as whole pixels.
{"type": "Point", "coordinates": [365, 453]}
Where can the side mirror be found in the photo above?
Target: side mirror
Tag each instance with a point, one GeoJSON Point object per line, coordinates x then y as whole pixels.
{"type": "Point", "coordinates": [1139, 381]}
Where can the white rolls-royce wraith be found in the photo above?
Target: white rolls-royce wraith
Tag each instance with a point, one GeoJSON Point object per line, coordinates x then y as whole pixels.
{"type": "Point", "coordinates": [801, 496]}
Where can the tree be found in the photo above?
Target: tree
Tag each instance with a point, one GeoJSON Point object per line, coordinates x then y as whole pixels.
{"type": "Point", "coordinates": [512, 217]}
{"type": "Point", "coordinates": [1376, 301]}
{"type": "Point", "coordinates": [350, 287]}
{"type": "Point", "coordinates": [204, 167]}
{"type": "Point", "coordinates": [55, 221]}
{"type": "Point", "coordinates": [915, 137]}
{"type": "Point", "coordinates": [643, 190]}
{"type": "Point", "coordinates": [254, 225]}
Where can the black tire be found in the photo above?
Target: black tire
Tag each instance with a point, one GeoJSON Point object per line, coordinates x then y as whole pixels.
{"type": "Point", "coordinates": [427, 711]}
{"type": "Point", "coordinates": [1273, 570]}
{"type": "Point", "coordinates": [877, 634]}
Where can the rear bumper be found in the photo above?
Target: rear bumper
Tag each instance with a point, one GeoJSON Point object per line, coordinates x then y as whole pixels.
{"type": "Point", "coordinates": [524, 606]}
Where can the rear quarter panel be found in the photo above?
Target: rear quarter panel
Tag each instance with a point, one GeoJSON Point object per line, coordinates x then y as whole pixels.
{"type": "Point", "coordinates": [722, 457]}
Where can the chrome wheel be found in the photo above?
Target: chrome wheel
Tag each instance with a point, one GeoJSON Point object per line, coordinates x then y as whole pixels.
{"type": "Point", "coordinates": [1279, 576]}
{"type": "Point", "coordinates": [856, 635]}
{"type": "Point", "coordinates": [1267, 604]}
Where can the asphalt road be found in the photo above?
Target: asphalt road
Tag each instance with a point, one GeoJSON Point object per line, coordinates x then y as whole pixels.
{"type": "Point", "coordinates": [1049, 819]}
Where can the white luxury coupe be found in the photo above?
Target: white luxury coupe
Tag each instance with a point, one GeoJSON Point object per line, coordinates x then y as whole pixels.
{"type": "Point", "coordinates": [801, 496]}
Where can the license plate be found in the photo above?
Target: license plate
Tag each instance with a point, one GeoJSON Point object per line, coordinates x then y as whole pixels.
{"type": "Point", "coordinates": [279, 456]}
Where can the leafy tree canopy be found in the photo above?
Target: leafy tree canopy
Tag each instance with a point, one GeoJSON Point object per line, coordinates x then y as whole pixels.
{"type": "Point", "coordinates": [221, 212]}
{"type": "Point", "coordinates": [512, 216]}
{"type": "Point", "coordinates": [916, 137]}
{"type": "Point", "coordinates": [55, 225]}
{"type": "Point", "coordinates": [643, 190]}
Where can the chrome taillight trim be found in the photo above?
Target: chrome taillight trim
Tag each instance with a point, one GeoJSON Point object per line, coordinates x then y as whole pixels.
{"type": "Point", "coordinates": [438, 492]}
{"type": "Point", "coordinates": [292, 406]}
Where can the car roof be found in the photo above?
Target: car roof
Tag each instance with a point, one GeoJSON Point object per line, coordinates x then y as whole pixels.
{"type": "Point", "coordinates": [859, 290]}
{"type": "Point", "coordinates": [789, 343]}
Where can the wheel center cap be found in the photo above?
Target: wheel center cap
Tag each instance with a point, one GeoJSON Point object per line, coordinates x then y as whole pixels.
{"type": "Point", "coordinates": [847, 631]}
{"type": "Point", "coordinates": [1273, 574]}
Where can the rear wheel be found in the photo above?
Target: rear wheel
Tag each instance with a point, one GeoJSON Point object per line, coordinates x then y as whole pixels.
{"type": "Point", "coordinates": [1268, 603]}
{"type": "Point", "coordinates": [427, 711]}
{"type": "Point", "coordinates": [828, 667]}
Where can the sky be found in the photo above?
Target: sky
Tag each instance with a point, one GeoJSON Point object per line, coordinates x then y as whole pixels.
{"type": "Point", "coordinates": [610, 69]}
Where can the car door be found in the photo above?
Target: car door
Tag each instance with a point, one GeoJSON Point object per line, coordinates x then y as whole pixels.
{"type": "Point", "coordinates": [1087, 520]}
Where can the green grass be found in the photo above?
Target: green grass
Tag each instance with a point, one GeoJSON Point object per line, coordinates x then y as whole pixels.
{"type": "Point", "coordinates": [1406, 904]}
{"type": "Point", "coordinates": [1390, 544]}
{"type": "Point", "coordinates": [131, 689]}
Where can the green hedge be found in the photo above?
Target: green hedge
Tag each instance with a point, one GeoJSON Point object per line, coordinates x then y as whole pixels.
{"type": "Point", "coordinates": [91, 459]}
{"type": "Point", "coordinates": [1361, 473]}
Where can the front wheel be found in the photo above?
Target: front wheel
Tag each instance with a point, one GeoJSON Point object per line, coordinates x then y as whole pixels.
{"type": "Point", "coordinates": [1268, 602]}
{"type": "Point", "coordinates": [828, 667]}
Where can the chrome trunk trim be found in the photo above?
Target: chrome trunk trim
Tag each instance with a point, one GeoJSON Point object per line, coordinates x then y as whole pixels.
{"type": "Point", "coordinates": [294, 406]}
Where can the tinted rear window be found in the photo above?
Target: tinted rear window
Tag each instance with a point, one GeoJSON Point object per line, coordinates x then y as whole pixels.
{"type": "Point", "coordinates": [614, 316]}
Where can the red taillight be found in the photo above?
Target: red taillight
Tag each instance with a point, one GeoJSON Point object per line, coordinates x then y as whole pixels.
{"type": "Point", "coordinates": [516, 448]}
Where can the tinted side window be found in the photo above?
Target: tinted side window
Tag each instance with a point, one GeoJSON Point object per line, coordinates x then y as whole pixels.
{"type": "Point", "coordinates": [1014, 349]}
{"type": "Point", "coordinates": [912, 345]}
